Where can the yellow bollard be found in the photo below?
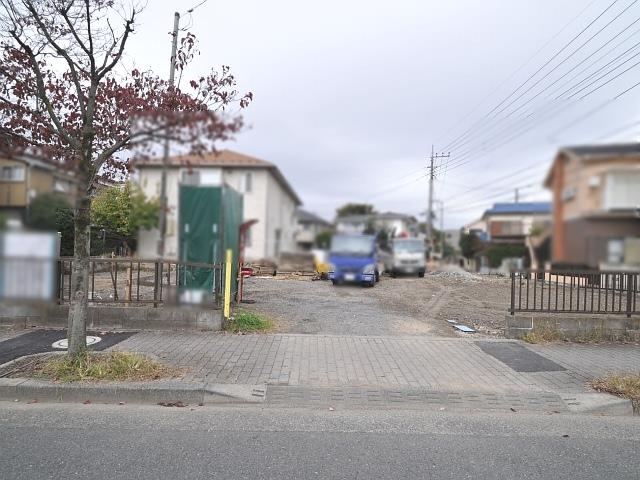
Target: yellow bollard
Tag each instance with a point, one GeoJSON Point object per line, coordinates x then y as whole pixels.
{"type": "Point", "coordinates": [227, 284]}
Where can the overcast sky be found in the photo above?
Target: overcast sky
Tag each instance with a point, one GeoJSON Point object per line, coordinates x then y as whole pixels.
{"type": "Point", "coordinates": [350, 95]}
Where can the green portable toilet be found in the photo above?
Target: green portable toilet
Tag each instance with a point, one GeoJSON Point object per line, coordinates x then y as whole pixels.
{"type": "Point", "coordinates": [209, 221]}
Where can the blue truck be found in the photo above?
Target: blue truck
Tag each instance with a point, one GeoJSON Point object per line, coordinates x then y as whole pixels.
{"type": "Point", "coordinates": [353, 259]}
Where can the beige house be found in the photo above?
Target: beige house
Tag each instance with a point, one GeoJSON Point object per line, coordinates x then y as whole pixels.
{"type": "Point", "coordinates": [267, 197]}
{"type": "Point", "coordinates": [24, 178]}
{"type": "Point", "coordinates": [596, 212]}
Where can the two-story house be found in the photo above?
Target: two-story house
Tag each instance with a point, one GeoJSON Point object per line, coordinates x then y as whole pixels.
{"type": "Point", "coordinates": [394, 223]}
{"type": "Point", "coordinates": [309, 226]}
{"type": "Point", "coordinates": [24, 178]}
{"type": "Point", "coordinates": [596, 212]}
{"type": "Point", "coordinates": [513, 222]}
{"type": "Point", "coordinates": [267, 197]}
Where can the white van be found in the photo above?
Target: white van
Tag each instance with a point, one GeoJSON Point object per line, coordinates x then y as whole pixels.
{"type": "Point", "coordinates": [408, 256]}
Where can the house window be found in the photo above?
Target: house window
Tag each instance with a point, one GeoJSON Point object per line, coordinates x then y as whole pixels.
{"type": "Point", "coordinates": [248, 182]}
{"type": "Point", "coordinates": [622, 191]}
{"type": "Point", "coordinates": [61, 186]}
{"type": "Point", "coordinates": [615, 251]}
{"type": "Point", "coordinates": [278, 235]}
{"type": "Point", "coordinates": [12, 174]}
{"type": "Point", "coordinates": [191, 177]}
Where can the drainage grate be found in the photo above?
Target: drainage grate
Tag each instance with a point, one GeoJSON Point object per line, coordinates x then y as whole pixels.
{"type": "Point", "coordinates": [518, 357]}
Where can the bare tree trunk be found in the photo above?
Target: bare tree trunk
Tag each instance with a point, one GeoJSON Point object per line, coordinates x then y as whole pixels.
{"type": "Point", "coordinates": [77, 321]}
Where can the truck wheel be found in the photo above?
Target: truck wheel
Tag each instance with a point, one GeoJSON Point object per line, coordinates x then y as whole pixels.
{"type": "Point", "coordinates": [334, 282]}
{"type": "Point", "coordinates": [377, 277]}
{"type": "Point", "coordinates": [421, 274]}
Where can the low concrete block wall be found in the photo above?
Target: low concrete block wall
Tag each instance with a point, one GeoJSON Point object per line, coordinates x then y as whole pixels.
{"type": "Point", "coordinates": [127, 318]}
{"type": "Point", "coordinates": [571, 326]}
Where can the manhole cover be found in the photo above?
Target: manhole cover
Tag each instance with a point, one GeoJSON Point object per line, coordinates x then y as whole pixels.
{"type": "Point", "coordinates": [64, 343]}
{"type": "Point", "coordinates": [518, 357]}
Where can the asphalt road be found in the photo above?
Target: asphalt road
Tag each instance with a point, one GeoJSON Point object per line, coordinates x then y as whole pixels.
{"type": "Point", "coordinates": [122, 442]}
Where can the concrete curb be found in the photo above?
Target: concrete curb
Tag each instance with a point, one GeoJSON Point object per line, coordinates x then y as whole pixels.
{"type": "Point", "coordinates": [599, 404]}
{"type": "Point", "coordinates": [153, 393]}
{"type": "Point", "coordinates": [135, 393]}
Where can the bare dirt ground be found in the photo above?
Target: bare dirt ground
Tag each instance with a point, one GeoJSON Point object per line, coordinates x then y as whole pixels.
{"type": "Point", "coordinates": [396, 306]}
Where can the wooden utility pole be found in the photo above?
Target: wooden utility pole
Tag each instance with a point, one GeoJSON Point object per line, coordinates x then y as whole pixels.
{"type": "Point", "coordinates": [434, 156]}
{"type": "Point", "coordinates": [162, 223]}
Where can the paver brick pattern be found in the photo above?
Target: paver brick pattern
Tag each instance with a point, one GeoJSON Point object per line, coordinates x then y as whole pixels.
{"type": "Point", "coordinates": [380, 361]}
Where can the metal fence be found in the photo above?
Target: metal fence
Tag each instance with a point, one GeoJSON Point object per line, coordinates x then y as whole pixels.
{"type": "Point", "coordinates": [139, 281]}
{"type": "Point", "coordinates": [575, 291]}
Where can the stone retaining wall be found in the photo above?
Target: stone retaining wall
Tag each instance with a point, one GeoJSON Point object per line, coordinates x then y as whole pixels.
{"type": "Point", "coordinates": [572, 326]}
{"type": "Point", "coordinates": [114, 317]}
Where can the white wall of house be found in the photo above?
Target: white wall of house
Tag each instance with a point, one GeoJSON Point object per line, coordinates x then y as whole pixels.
{"type": "Point", "coordinates": [281, 221]}
{"type": "Point", "coordinates": [149, 181]}
{"type": "Point", "coordinates": [252, 184]}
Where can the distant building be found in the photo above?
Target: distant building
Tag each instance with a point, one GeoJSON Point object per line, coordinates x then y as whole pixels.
{"type": "Point", "coordinates": [309, 225]}
{"type": "Point", "coordinates": [24, 178]}
{"type": "Point", "coordinates": [596, 214]}
{"type": "Point", "coordinates": [478, 228]}
{"type": "Point", "coordinates": [396, 224]}
{"type": "Point", "coordinates": [513, 222]}
{"type": "Point", "coordinates": [452, 239]}
{"type": "Point", "coordinates": [267, 197]}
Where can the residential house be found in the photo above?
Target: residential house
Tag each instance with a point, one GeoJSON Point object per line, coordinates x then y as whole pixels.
{"type": "Point", "coordinates": [513, 222]}
{"type": "Point", "coordinates": [596, 213]}
{"type": "Point", "coordinates": [477, 227]}
{"type": "Point", "coordinates": [452, 239]}
{"type": "Point", "coordinates": [309, 226]}
{"type": "Point", "coordinates": [516, 224]}
{"type": "Point", "coordinates": [268, 198]}
{"type": "Point", "coordinates": [24, 178]}
{"type": "Point", "coordinates": [396, 224]}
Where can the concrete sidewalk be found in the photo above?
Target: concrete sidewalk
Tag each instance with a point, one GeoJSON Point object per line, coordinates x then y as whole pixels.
{"type": "Point", "coordinates": [407, 362]}
{"type": "Point", "coordinates": [370, 371]}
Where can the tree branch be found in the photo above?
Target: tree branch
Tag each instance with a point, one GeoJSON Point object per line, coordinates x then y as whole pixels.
{"type": "Point", "coordinates": [108, 66]}
{"type": "Point", "coordinates": [60, 50]}
{"type": "Point", "coordinates": [42, 93]}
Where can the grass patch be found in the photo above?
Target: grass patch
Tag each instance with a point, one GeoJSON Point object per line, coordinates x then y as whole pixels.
{"type": "Point", "coordinates": [543, 335]}
{"type": "Point", "coordinates": [624, 385]}
{"type": "Point", "coordinates": [243, 321]}
{"type": "Point", "coordinates": [116, 366]}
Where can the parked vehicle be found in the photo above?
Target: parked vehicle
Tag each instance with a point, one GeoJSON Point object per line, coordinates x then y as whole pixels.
{"type": "Point", "coordinates": [408, 256]}
{"type": "Point", "coordinates": [354, 258]}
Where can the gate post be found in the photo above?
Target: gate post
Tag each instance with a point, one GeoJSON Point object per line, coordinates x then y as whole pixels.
{"type": "Point", "coordinates": [513, 293]}
{"type": "Point", "coordinates": [227, 283]}
{"type": "Point", "coordinates": [630, 291]}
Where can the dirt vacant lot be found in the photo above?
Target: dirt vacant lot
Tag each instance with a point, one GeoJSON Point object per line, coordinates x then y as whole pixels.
{"type": "Point", "coordinates": [396, 306]}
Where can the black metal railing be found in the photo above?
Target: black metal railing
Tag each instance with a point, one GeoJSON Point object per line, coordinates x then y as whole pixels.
{"type": "Point", "coordinates": [575, 291]}
{"type": "Point", "coordinates": [139, 281]}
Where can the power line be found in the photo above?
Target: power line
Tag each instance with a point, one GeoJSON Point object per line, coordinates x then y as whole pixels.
{"type": "Point", "coordinates": [452, 144]}
{"type": "Point", "coordinates": [488, 126]}
{"type": "Point", "coordinates": [515, 72]}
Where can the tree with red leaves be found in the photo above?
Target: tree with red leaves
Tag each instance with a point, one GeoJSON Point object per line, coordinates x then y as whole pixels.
{"type": "Point", "coordinates": [61, 99]}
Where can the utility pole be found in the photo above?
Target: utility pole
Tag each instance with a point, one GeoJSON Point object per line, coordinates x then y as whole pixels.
{"type": "Point", "coordinates": [517, 195]}
{"type": "Point", "coordinates": [441, 231]}
{"type": "Point", "coordinates": [162, 224]}
{"type": "Point", "coordinates": [434, 156]}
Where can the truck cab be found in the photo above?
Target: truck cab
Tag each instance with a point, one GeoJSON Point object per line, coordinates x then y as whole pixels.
{"type": "Point", "coordinates": [353, 259]}
{"type": "Point", "coordinates": [408, 256]}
